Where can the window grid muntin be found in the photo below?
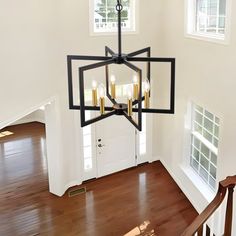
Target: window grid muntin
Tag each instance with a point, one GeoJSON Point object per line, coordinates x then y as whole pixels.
{"type": "Point", "coordinates": [203, 128]}
{"type": "Point", "coordinates": [197, 162]}
{"type": "Point", "coordinates": [207, 16]}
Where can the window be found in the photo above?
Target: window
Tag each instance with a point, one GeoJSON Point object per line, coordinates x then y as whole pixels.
{"type": "Point", "coordinates": [204, 144]}
{"type": "Point", "coordinates": [103, 16]}
{"type": "Point", "coordinates": [208, 19]}
{"type": "Point", "coordinates": [143, 136]}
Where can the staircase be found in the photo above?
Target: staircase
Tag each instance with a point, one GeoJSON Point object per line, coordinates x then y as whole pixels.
{"type": "Point", "coordinates": [200, 227]}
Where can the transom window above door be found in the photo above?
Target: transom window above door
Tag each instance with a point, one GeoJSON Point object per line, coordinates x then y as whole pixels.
{"type": "Point", "coordinates": [103, 16]}
{"type": "Point", "coordinates": [208, 19]}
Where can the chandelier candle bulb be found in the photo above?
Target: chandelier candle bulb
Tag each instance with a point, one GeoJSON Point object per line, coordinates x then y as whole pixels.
{"type": "Point", "coordinates": [94, 94]}
{"type": "Point", "coordinates": [113, 87]}
{"type": "Point", "coordinates": [102, 98]}
{"type": "Point", "coordinates": [135, 87]}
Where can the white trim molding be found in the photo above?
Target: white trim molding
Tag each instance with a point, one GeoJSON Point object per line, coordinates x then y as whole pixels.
{"type": "Point", "coordinates": [190, 23]}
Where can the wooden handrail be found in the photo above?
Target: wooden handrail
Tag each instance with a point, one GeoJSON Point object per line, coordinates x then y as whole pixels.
{"type": "Point", "coordinates": [229, 181]}
{"type": "Point", "coordinates": [197, 225]}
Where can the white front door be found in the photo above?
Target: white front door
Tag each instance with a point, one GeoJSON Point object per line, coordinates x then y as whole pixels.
{"type": "Point", "coordinates": [111, 145]}
{"type": "Point", "coordinates": [115, 141]}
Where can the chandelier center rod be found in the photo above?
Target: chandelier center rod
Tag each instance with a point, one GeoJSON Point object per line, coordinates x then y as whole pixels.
{"type": "Point", "coordinates": [119, 8]}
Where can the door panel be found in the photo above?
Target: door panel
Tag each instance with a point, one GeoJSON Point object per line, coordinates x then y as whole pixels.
{"type": "Point", "coordinates": [115, 145]}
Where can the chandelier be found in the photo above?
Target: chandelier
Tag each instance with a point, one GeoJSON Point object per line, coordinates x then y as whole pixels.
{"type": "Point", "coordinates": [138, 101]}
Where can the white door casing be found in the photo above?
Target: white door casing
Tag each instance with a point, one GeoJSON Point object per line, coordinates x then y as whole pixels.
{"type": "Point", "coordinates": [144, 140]}
{"type": "Point", "coordinates": [115, 145]}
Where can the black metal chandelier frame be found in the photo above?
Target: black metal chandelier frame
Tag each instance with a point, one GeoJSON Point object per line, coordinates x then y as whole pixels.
{"type": "Point", "coordinates": [118, 58]}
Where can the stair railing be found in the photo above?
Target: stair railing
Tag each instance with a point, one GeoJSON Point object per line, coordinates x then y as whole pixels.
{"type": "Point", "coordinates": [197, 227]}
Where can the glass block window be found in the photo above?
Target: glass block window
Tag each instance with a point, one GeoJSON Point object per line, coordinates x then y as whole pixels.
{"type": "Point", "coordinates": [87, 144]}
{"type": "Point", "coordinates": [204, 144]}
{"type": "Point", "coordinates": [104, 16]}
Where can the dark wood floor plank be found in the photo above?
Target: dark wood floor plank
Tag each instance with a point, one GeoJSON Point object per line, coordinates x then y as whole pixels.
{"type": "Point", "coordinates": [144, 199]}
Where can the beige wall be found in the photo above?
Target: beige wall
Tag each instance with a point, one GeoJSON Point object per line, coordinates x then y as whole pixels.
{"type": "Point", "coordinates": [36, 116]}
{"type": "Point", "coordinates": [206, 75]}
{"type": "Point", "coordinates": [28, 48]}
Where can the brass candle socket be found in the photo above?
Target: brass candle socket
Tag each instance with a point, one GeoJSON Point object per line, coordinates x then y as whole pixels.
{"type": "Point", "coordinates": [102, 106]}
{"type": "Point", "coordinates": [135, 91]}
{"type": "Point", "coordinates": [147, 100]}
{"type": "Point", "coordinates": [94, 97]}
{"type": "Point", "coordinates": [130, 107]}
{"type": "Point", "coordinates": [113, 91]}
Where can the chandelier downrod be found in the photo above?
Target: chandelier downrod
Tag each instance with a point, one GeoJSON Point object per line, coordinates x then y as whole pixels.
{"type": "Point", "coordinates": [119, 8]}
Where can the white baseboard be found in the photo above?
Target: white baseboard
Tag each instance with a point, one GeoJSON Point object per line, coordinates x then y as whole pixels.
{"type": "Point", "coordinates": [40, 121]}
{"type": "Point", "coordinates": [69, 185]}
{"type": "Point", "coordinates": [155, 158]}
{"type": "Point", "coordinates": [65, 188]}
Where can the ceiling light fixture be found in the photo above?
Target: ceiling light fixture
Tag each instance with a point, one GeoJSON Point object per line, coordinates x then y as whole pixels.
{"type": "Point", "coordinates": [135, 95]}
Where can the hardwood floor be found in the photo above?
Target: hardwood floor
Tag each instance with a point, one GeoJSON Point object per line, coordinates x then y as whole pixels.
{"type": "Point", "coordinates": [144, 198]}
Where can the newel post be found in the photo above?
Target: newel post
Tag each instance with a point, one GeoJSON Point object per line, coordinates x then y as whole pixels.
{"type": "Point", "coordinates": [229, 212]}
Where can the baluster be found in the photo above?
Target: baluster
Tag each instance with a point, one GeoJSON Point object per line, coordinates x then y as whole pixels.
{"type": "Point", "coordinates": [200, 231]}
{"type": "Point", "coordinates": [208, 231]}
{"type": "Point", "coordinates": [229, 211]}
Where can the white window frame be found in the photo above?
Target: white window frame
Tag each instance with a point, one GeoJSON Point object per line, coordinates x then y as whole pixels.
{"type": "Point", "coordinates": [143, 136]}
{"type": "Point", "coordinates": [88, 146]}
{"type": "Point", "coordinates": [190, 32]}
{"type": "Point", "coordinates": [134, 15]}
